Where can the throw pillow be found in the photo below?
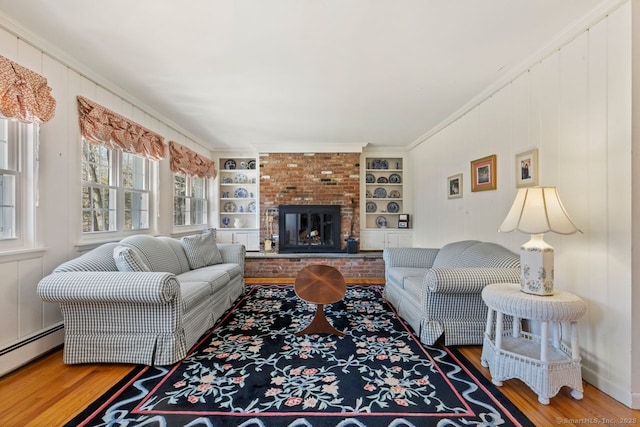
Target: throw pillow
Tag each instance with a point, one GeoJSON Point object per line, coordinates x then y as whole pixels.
{"type": "Point", "coordinates": [201, 250]}
{"type": "Point", "coordinates": [128, 259]}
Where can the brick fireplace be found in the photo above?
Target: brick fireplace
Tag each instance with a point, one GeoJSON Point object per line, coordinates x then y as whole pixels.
{"type": "Point", "coordinates": [312, 179]}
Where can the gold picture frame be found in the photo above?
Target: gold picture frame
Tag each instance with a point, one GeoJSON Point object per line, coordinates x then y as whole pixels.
{"type": "Point", "coordinates": [483, 174]}
{"type": "Point", "coordinates": [454, 186]}
{"type": "Point", "coordinates": [527, 168]}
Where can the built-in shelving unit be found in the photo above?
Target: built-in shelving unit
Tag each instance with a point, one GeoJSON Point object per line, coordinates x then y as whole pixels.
{"type": "Point", "coordinates": [239, 218]}
{"type": "Point", "coordinates": [385, 221]}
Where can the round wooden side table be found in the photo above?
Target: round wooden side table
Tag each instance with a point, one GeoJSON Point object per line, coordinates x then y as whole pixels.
{"type": "Point", "coordinates": [320, 284]}
{"type": "Point", "coordinates": [545, 363]}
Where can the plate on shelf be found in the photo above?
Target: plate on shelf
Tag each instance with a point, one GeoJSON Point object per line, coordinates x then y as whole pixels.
{"type": "Point", "coordinates": [243, 165]}
{"type": "Point", "coordinates": [230, 164]}
{"type": "Point", "coordinates": [371, 207]}
{"type": "Point", "coordinates": [393, 207]}
{"type": "Point", "coordinates": [394, 178]}
{"type": "Point", "coordinates": [227, 180]}
{"type": "Point", "coordinates": [226, 221]}
{"type": "Point", "coordinates": [370, 178]}
{"type": "Point", "coordinates": [229, 207]}
{"type": "Point", "coordinates": [251, 207]}
{"type": "Point", "coordinates": [380, 193]}
{"type": "Point", "coordinates": [394, 194]}
{"type": "Point", "coordinates": [240, 178]}
{"type": "Point", "coordinates": [379, 164]}
{"type": "Point", "coordinates": [252, 164]}
{"type": "Point", "coordinates": [381, 222]}
{"type": "Point", "coordinates": [241, 193]}
{"type": "Point", "coordinates": [382, 180]}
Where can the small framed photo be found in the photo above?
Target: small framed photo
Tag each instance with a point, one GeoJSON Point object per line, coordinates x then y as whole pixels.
{"type": "Point", "coordinates": [403, 224]}
{"type": "Point", "coordinates": [483, 174]}
{"type": "Point", "coordinates": [403, 217]}
{"type": "Point", "coordinates": [454, 186]}
{"type": "Point", "coordinates": [527, 168]}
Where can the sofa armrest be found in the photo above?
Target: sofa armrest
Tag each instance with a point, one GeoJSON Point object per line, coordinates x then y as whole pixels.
{"type": "Point", "coordinates": [233, 253]}
{"type": "Point", "coordinates": [109, 286]}
{"type": "Point", "coordinates": [467, 280]}
{"type": "Point", "coordinates": [409, 257]}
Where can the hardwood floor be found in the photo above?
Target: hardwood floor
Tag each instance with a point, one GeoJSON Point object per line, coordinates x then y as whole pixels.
{"type": "Point", "coordinates": [47, 392]}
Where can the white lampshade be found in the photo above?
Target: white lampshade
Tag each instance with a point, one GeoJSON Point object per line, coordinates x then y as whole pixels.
{"type": "Point", "coordinates": [537, 210]}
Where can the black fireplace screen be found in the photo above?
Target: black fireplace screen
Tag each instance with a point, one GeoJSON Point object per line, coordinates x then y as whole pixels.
{"type": "Point", "coordinates": [310, 228]}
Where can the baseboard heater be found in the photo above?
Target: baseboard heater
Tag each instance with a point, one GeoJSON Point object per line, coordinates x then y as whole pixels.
{"type": "Point", "coordinates": [31, 339]}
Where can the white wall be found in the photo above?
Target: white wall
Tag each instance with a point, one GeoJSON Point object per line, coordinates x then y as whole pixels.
{"type": "Point", "coordinates": [25, 319]}
{"type": "Point", "coordinates": [575, 107]}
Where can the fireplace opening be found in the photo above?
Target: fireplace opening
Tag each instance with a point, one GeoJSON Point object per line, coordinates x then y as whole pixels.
{"type": "Point", "coordinates": [309, 228]}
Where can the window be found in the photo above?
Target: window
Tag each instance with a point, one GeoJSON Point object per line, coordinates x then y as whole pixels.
{"type": "Point", "coordinates": [16, 154]}
{"type": "Point", "coordinates": [115, 190]}
{"type": "Point", "coordinates": [190, 200]}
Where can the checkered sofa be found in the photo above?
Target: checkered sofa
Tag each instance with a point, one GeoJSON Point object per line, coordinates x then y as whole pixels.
{"type": "Point", "coordinates": [152, 316]}
{"type": "Point", "coordinates": [437, 291]}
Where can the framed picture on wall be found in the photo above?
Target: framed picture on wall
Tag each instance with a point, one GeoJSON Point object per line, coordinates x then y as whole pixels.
{"type": "Point", "coordinates": [483, 174]}
{"type": "Point", "coordinates": [454, 186]}
{"type": "Point", "coordinates": [527, 168]}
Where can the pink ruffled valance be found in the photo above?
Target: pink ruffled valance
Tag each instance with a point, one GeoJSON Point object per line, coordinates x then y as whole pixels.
{"type": "Point", "coordinates": [99, 125]}
{"type": "Point", "coordinates": [24, 94]}
{"type": "Point", "coordinates": [188, 162]}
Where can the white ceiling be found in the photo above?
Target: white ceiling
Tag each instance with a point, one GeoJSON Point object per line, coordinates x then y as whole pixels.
{"type": "Point", "coordinates": [268, 73]}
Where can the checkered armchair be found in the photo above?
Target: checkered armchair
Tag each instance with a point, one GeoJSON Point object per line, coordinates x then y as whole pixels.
{"type": "Point", "coordinates": [152, 314]}
{"type": "Point", "coordinates": [438, 291]}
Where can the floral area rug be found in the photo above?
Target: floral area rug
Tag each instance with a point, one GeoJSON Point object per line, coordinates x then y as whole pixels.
{"type": "Point", "coordinates": [251, 370]}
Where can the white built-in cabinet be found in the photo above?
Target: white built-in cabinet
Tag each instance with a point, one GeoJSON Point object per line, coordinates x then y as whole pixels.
{"type": "Point", "coordinates": [238, 202]}
{"type": "Point", "coordinates": [385, 201]}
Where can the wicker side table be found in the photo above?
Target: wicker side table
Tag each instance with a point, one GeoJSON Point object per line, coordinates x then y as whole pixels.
{"type": "Point", "coordinates": [545, 363]}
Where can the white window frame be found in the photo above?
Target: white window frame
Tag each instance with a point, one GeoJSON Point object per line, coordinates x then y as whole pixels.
{"type": "Point", "coordinates": [21, 164]}
{"type": "Point", "coordinates": [117, 190]}
{"type": "Point", "coordinates": [190, 199]}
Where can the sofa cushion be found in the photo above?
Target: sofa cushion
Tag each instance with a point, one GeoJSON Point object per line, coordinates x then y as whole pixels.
{"type": "Point", "coordinates": [450, 254]}
{"type": "Point", "coordinates": [194, 294]}
{"type": "Point", "coordinates": [179, 251]}
{"type": "Point", "coordinates": [157, 253]}
{"type": "Point", "coordinates": [214, 277]}
{"type": "Point", "coordinates": [129, 259]}
{"type": "Point", "coordinates": [399, 274]}
{"type": "Point", "coordinates": [201, 250]}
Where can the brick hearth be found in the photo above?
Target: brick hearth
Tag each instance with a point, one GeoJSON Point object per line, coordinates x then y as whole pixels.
{"type": "Point", "coordinates": [364, 265]}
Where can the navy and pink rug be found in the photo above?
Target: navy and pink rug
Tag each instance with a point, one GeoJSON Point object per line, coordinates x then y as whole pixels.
{"type": "Point", "coordinates": [251, 370]}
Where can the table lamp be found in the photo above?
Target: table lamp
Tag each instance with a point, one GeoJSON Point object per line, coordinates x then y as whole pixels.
{"type": "Point", "coordinates": [537, 210]}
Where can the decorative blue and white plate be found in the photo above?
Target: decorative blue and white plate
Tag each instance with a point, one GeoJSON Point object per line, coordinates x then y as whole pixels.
{"type": "Point", "coordinates": [370, 178]}
{"type": "Point", "coordinates": [240, 178]}
{"type": "Point", "coordinates": [394, 194]}
{"type": "Point", "coordinates": [227, 180]}
{"type": "Point", "coordinates": [371, 207]}
{"type": "Point", "coordinates": [251, 207]}
{"type": "Point", "coordinates": [382, 180]}
{"type": "Point", "coordinates": [252, 164]}
{"type": "Point", "coordinates": [229, 207]}
{"type": "Point", "coordinates": [241, 193]}
{"type": "Point", "coordinates": [380, 193]}
{"type": "Point", "coordinates": [395, 178]}
{"type": "Point", "coordinates": [393, 207]}
{"type": "Point", "coordinates": [226, 221]}
{"type": "Point", "coordinates": [380, 164]}
{"type": "Point", "coordinates": [230, 164]}
{"type": "Point", "coordinates": [381, 221]}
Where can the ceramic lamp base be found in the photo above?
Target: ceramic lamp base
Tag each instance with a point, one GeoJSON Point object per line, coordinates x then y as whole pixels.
{"type": "Point", "coordinates": [536, 266]}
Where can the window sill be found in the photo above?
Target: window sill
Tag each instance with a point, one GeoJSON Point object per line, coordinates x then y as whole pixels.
{"type": "Point", "coordinates": [21, 254]}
